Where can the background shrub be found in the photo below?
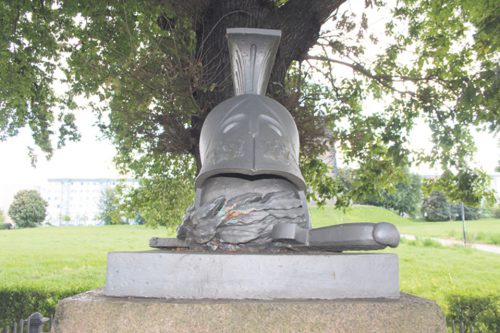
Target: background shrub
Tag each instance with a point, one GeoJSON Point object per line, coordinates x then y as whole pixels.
{"type": "Point", "coordinates": [5, 226]}
{"type": "Point", "coordinates": [404, 199]}
{"type": "Point", "coordinates": [435, 207]}
{"type": "Point", "coordinates": [496, 212]}
{"type": "Point", "coordinates": [483, 313]}
{"type": "Point", "coordinates": [469, 212]}
{"type": "Point", "coordinates": [19, 303]}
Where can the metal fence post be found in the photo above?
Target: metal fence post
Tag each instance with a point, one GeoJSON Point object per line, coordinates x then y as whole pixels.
{"type": "Point", "coordinates": [35, 323]}
{"type": "Point", "coordinates": [463, 222]}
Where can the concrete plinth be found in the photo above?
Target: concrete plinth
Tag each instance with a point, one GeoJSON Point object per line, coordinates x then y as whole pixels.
{"type": "Point", "coordinates": [94, 312]}
{"type": "Point", "coordinates": [174, 275]}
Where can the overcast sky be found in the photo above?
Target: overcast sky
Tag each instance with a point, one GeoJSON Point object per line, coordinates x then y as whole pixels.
{"type": "Point", "coordinates": [91, 157]}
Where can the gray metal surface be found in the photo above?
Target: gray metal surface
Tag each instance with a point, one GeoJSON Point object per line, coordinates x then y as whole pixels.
{"type": "Point", "coordinates": [340, 237]}
{"type": "Point", "coordinates": [166, 243]}
{"type": "Point", "coordinates": [249, 150]}
{"type": "Point", "coordinates": [250, 135]}
{"type": "Point", "coordinates": [36, 323]}
{"type": "Point", "coordinates": [252, 57]}
{"type": "Point", "coordinates": [180, 275]}
{"type": "Point", "coordinates": [238, 212]}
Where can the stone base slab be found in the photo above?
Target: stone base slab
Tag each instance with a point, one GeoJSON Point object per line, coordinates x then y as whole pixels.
{"type": "Point", "coordinates": [181, 275]}
{"type": "Point", "coordinates": [94, 312]}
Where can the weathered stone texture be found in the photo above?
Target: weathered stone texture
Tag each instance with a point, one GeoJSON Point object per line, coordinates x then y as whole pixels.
{"type": "Point", "coordinates": [93, 312]}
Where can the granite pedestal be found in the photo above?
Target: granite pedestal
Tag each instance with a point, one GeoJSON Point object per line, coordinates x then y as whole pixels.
{"type": "Point", "coordinates": [94, 312]}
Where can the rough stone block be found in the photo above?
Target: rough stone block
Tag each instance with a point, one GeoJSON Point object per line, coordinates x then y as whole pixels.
{"type": "Point", "coordinates": [94, 312]}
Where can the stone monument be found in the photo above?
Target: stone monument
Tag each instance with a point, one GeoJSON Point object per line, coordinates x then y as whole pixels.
{"type": "Point", "coordinates": [245, 257]}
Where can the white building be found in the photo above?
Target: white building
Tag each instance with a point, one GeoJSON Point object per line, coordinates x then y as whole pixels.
{"type": "Point", "coordinates": [74, 201]}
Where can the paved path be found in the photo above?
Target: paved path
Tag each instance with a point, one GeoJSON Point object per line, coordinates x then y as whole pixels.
{"type": "Point", "coordinates": [454, 242]}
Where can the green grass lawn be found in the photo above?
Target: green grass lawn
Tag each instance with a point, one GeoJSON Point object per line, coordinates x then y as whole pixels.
{"type": "Point", "coordinates": [328, 215]}
{"type": "Point", "coordinates": [426, 268]}
{"type": "Point", "coordinates": [74, 258]}
{"type": "Point", "coordinates": [486, 230]}
{"type": "Point", "coordinates": [435, 272]}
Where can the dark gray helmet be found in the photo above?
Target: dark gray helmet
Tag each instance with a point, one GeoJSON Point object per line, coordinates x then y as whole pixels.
{"type": "Point", "coordinates": [249, 148]}
{"type": "Point", "coordinates": [251, 135]}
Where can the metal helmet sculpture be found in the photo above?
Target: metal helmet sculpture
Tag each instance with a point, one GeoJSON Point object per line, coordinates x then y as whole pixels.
{"type": "Point", "coordinates": [250, 190]}
{"type": "Point", "coordinates": [250, 134]}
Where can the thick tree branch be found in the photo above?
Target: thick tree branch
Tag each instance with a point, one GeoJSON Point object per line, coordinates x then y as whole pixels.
{"type": "Point", "coordinates": [187, 8]}
{"type": "Point", "coordinates": [300, 22]}
{"type": "Point", "coordinates": [381, 79]}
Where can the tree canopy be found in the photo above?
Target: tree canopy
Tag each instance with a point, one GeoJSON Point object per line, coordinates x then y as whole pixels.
{"type": "Point", "coordinates": [108, 206]}
{"type": "Point", "coordinates": [435, 208]}
{"type": "Point", "coordinates": [155, 69]}
{"type": "Point", "coordinates": [28, 209]}
{"type": "Point", "coordinates": [404, 199]}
